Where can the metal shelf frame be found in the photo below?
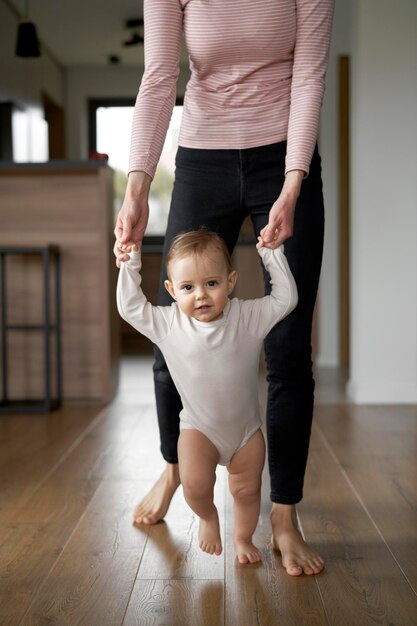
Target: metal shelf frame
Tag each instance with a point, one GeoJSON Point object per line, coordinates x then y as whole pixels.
{"type": "Point", "coordinates": [50, 256]}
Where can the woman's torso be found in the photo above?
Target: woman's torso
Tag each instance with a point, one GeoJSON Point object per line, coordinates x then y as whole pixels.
{"type": "Point", "coordinates": [241, 55]}
{"type": "Point", "coordinates": [257, 76]}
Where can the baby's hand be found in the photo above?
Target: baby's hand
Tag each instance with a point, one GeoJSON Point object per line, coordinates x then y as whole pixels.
{"type": "Point", "coordinates": [260, 243]}
{"type": "Point", "coordinates": [128, 247]}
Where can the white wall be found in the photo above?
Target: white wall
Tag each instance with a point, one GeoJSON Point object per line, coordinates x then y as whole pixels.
{"type": "Point", "coordinates": [328, 299]}
{"type": "Point", "coordinates": [384, 202]}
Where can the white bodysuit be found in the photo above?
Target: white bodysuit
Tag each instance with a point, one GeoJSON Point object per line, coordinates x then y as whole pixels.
{"type": "Point", "coordinates": [214, 365]}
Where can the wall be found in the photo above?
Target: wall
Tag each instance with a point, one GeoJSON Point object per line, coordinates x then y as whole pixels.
{"type": "Point", "coordinates": [384, 202]}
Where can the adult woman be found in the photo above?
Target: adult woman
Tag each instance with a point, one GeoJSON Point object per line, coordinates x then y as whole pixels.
{"type": "Point", "coordinates": [247, 147]}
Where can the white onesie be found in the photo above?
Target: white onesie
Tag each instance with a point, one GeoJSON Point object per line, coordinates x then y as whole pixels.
{"type": "Point", "coordinates": [214, 365]}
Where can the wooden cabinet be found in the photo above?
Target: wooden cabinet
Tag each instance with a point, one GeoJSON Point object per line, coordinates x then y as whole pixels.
{"type": "Point", "coordinates": [69, 205]}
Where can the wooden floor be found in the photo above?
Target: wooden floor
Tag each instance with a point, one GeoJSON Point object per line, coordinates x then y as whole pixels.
{"type": "Point", "coordinates": [69, 553]}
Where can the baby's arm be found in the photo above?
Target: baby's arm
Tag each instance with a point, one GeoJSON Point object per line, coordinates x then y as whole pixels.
{"type": "Point", "coordinates": [263, 313]}
{"type": "Point", "coordinates": [152, 321]}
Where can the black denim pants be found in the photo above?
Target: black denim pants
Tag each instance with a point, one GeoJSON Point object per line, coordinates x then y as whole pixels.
{"type": "Point", "coordinates": [218, 189]}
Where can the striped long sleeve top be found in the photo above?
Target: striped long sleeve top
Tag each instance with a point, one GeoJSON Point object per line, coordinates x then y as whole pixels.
{"type": "Point", "coordinates": [257, 76]}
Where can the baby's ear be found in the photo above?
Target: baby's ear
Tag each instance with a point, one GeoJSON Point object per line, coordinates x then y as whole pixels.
{"type": "Point", "coordinates": [232, 278]}
{"type": "Point", "coordinates": [170, 288]}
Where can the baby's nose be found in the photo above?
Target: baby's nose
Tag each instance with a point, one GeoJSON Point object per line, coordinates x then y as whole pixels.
{"type": "Point", "coordinates": [200, 293]}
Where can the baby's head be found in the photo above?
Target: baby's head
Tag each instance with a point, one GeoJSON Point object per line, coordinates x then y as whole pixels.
{"type": "Point", "coordinates": [200, 274]}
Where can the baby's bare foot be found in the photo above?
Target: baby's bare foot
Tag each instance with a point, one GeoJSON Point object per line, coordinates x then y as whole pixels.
{"type": "Point", "coordinates": [155, 504]}
{"type": "Point", "coordinates": [246, 552]}
{"type": "Point", "coordinates": [209, 536]}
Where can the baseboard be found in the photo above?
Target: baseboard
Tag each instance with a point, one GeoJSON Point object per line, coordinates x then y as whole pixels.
{"type": "Point", "coordinates": [381, 393]}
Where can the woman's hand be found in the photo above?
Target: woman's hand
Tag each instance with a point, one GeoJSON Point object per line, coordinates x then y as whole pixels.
{"type": "Point", "coordinates": [133, 216]}
{"type": "Point", "coordinates": [281, 216]}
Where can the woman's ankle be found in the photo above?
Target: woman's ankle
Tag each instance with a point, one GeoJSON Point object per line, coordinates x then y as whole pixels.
{"type": "Point", "coordinates": [172, 472]}
{"type": "Point", "coordinates": [284, 515]}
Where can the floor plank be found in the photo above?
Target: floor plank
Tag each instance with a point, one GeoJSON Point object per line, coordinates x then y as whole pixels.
{"type": "Point", "coordinates": [26, 460]}
{"type": "Point", "coordinates": [57, 506]}
{"type": "Point", "coordinates": [75, 479]}
{"type": "Point", "coordinates": [91, 582]}
{"type": "Point", "coordinates": [176, 603]}
{"type": "Point", "coordinates": [27, 554]}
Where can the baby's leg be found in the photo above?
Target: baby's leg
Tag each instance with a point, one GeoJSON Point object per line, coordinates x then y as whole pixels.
{"type": "Point", "coordinates": [197, 459]}
{"type": "Point", "coordinates": [245, 472]}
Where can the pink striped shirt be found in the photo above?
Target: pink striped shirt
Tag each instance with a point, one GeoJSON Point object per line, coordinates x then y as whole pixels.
{"type": "Point", "coordinates": [257, 76]}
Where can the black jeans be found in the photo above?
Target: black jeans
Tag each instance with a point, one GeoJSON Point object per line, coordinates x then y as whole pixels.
{"type": "Point", "coordinates": [218, 189]}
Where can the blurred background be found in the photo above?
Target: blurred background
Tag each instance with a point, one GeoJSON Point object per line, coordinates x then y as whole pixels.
{"type": "Point", "coordinates": [65, 117]}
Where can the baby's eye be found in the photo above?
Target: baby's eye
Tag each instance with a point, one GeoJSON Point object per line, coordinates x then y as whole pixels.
{"type": "Point", "coordinates": [187, 287]}
{"type": "Point", "coordinates": [212, 283]}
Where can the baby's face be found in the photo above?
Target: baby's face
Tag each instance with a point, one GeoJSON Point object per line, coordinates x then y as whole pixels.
{"type": "Point", "coordinates": [201, 285]}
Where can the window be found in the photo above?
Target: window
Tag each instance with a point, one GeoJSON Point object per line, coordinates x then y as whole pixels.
{"type": "Point", "coordinates": [110, 127]}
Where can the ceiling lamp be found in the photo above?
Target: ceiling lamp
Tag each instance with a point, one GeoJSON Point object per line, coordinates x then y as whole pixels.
{"type": "Point", "coordinates": [135, 37]}
{"type": "Point", "coordinates": [27, 44]}
{"type": "Point", "coordinates": [134, 40]}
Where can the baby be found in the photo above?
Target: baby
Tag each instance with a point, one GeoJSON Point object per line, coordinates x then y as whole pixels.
{"type": "Point", "coordinates": [212, 346]}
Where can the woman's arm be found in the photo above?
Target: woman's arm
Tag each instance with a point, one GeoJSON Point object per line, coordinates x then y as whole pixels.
{"type": "Point", "coordinates": [314, 24]}
{"type": "Point", "coordinates": [281, 216]}
{"type": "Point", "coordinates": [153, 110]}
{"type": "Point", "coordinates": [156, 98]}
{"type": "Point", "coordinates": [134, 213]}
{"type": "Point", "coordinates": [311, 53]}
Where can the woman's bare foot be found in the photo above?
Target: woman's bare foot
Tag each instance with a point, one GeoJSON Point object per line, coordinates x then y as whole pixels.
{"type": "Point", "coordinates": [246, 552]}
{"type": "Point", "coordinates": [155, 504]}
{"type": "Point", "coordinates": [209, 535]}
{"type": "Point", "coordinates": [297, 557]}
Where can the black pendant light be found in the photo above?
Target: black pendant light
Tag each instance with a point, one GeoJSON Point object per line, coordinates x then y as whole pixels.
{"type": "Point", "coordinates": [27, 44]}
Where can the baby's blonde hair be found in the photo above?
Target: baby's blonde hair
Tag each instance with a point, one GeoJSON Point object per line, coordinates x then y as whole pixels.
{"type": "Point", "coordinates": [197, 242]}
